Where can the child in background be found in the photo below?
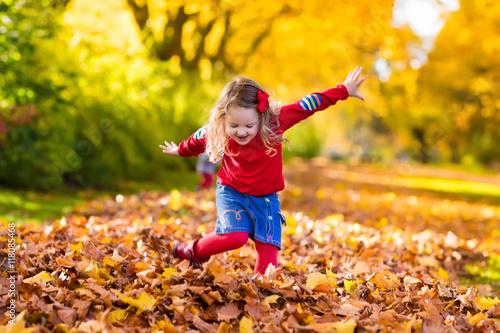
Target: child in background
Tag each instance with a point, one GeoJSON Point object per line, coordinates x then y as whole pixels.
{"type": "Point", "coordinates": [206, 169]}
{"type": "Point", "coordinates": [247, 130]}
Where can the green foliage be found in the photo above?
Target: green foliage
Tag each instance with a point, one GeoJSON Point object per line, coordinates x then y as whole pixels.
{"type": "Point", "coordinates": [31, 102]}
{"type": "Point", "coordinates": [489, 273]}
{"type": "Point", "coordinates": [304, 141]}
{"type": "Point", "coordinates": [87, 118]}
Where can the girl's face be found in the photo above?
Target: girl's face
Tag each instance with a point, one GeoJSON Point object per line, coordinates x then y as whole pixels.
{"type": "Point", "coordinates": [242, 124]}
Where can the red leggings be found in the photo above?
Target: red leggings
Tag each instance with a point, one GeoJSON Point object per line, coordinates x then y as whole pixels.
{"type": "Point", "coordinates": [213, 244]}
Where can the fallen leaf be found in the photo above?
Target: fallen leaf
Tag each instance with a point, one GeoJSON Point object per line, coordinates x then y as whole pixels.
{"type": "Point", "coordinates": [40, 278]}
{"type": "Point", "coordinates": [19, 325]}
{"type": "Point", "coordinates": [477, 318]}
{"type": "Point", "coordinates": [168, 272]}
{"type": "Point", "coordinates": [246, 325]}
{"type": "Point", "coordinates": [336, 327]}
{"type": "Point", "coordinates": [143, 303]}
{"type": "Point", "coordinates": [117, 315]}
{"type": "Point", "coordinates": [486, 303]}
{"type": "Point", "coordinates": [228, 312]}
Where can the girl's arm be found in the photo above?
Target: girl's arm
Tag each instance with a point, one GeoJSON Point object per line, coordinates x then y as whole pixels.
{"type": "Point", "coordinates": [195, 145]}
{"type": "Point", "coordinates": [308, 105]}
{"type": "Point", "coordinates": [170, 148]}
{"type": "Point", "coordinates": [353, 82]}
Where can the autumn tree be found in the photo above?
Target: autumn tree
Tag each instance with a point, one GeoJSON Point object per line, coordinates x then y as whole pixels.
{"type": "Point", "coordinates": [200, 34]}
{"type": "Point", "coordinates": [461, 78]}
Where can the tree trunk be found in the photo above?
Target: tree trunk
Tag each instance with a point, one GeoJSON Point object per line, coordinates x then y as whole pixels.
{"type": "Point", "coordinates": [419, 134]}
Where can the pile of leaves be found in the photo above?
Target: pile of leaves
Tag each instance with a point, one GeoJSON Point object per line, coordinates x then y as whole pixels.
{"type": "Point", "coordinates": [108, 268]}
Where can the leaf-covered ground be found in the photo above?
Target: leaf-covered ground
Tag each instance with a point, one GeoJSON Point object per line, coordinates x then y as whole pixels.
{"type": "Point", "coordinates": [360, 254]}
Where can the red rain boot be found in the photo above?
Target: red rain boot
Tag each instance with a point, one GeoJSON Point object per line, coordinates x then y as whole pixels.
{"type": "Point", "coordinates": [185, 251]}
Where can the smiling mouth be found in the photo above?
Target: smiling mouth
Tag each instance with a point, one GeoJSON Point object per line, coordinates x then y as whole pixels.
{"type": "Point", "coordinates": [242, 137]}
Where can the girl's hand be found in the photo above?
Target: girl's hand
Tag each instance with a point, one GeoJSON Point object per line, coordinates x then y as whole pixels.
{"type": "Point", "coordinates": [353, 82]}
{"type": "Point", "coordinates": [170, 148]}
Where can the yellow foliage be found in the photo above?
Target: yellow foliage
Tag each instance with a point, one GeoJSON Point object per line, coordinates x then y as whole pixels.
{"type": "Point", "coordinates": [246, 325]}
{"type": "Point", "coordinates": [108, 262]}
{"type": "Point", "coordinates": [336, 327]}
{"type": "Point", "coordinates": [176, 200]}
{"type": "Point", "coordinates": [486, 303]}
{"type": "Point", "coordinates": [117, 315]}
{"type": "Point", "coordinates": [385, 280]}
{"type": "Point", "coordinates": [170, 271]}
{"type": "Point", "coordinates": [350, 285]}
{"type": "Point", "coordinates": [314, 279]}
{"type": "Point", "coordinates": [77, 247]}
{"type": "Point", "coordinates": [40, 278]}
{"type": "Point", "coordinates": [18, 326]}
{"type": "Point", "coordinates": [270, 299]}
{"type": "Point", "coordinates": [143, 303]}
{"type": "Point", "coordinates": [477, 318]}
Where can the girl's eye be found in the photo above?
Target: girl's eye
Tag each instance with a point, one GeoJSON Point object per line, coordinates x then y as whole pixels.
{"type": "Point", "coordinates": [249, 126]}
{"type": "Point", "coordinates": [234, 126]}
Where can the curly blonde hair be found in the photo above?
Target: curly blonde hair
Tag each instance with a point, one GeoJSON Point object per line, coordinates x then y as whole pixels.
{"type": "Point", "coordinates": [241, 92]}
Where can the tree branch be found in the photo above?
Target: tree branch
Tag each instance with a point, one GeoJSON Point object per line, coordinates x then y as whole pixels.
{"type": "Point", "coordinates": [141, 13]}
{"type": "Point", "coordinates": [173, 45]}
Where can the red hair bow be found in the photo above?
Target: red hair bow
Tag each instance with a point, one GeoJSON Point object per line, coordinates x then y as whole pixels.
{"type": "Point", "coordinates": [263, 101]}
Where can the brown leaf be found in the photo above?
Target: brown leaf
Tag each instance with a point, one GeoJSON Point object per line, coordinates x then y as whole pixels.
{"type": "Point", "coordinates": [67, 316]}
{"type": "Point", "coordinates": [93, 252]}
{"type": "Point", "coordinates": [203, 326]}
{"type": "Point", "coordinates": [228, 312]}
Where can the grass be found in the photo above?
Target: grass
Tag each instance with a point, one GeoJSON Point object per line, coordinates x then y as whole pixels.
{"type": "Point", "coordinates": [22, 206]}
{"type": "Point", "coordinates": [454, 186]}
{"type": "Point", "coordinates": [25, 206]}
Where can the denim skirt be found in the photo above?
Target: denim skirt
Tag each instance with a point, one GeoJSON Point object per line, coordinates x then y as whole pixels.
{"type": "Point", "coordinates": [259, 216]}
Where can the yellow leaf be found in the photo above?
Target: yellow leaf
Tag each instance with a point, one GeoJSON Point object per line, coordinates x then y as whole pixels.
{"type": "Point", "coordinates": [309, 320]}
{"type": "Point", "coordinates": [165, 326]}
{"type": "Point", "coordinates": [143, 303]}
{"type": "Point", "coordinates": [168, 272]}
{"type": "Point", "coordinates": [117, 315]}
{"type": "Point", "coordinates": [60, 328]}
{"type": "Point", "coordinates": [17, 325]}
{"type": "Point", "coordinates": [337, 327]}
{"type": "Point", "coordinates": [41, 277]}
{"type": "Point", "coordinates": [108, 262]}
{"type": "Point", "coordinates": [486, 303]}
{"type": "Point", "coordinates": [345, 327]}
{"type": "Point", "coordinates": [176, 200]}
{"type": "Point", "coordinates": [350, 285]}
{"type": "Point", "coordinates": [352, 242]}
{"type": "Point", "coordinates": [246, 325]}
{"type": "Point", "coordinates": [477, 318]}
{"type": "Point", "coordinates": [332, 278]}
{"type": "Point", "coordinates": [385, 280]}
{"type": "Point", "coordinates": [314, 279]}
{"type": "Point", "coordinates": [106, 240]}
{"type": "Point", "coordinates": [92, 270]}
{"type": "Point", "coordinates": [443, 274]}
{"type": "Point", "coordinates": [224, 328]}
{"type": "Point", "coordinates": [292, 266]}
{"type": "Point", "coordinates": [270, 299]}
{"type": "Point", "coordinates": [201, 228]}
{"type": "Point", "coordinates": [321, 193]}
{"type": "Point", "coordinates": [77, 247]}
{"type": "Point", "coordinates": [104, 274]}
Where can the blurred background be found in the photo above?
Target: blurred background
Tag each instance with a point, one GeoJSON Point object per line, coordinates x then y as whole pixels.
{"type": "Point", "coordinates": [89, 89]}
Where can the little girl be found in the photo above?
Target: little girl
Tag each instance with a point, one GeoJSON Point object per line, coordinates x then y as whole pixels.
{"type": "Point", "coordinates": [247, 131]}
